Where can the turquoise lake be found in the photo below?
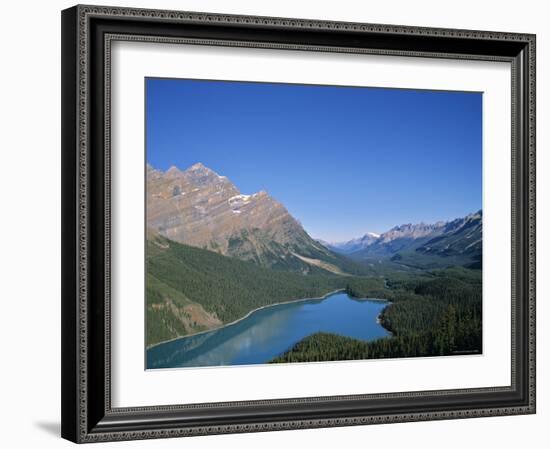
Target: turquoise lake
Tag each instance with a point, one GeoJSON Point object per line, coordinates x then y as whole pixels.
{"type": "Point", "coordinates": [268, 332]}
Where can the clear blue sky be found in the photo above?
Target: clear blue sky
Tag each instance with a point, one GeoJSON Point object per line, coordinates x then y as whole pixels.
{"type": "Point", "coordinates": [343, 160]}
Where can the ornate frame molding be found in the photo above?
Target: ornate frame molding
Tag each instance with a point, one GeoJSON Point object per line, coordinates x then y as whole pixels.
{"type": "Point", "coordinates": [86, 186]}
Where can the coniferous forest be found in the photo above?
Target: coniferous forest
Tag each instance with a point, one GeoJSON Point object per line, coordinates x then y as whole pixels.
{"type": "Point", "coordinates": [427, 317]}
{"type": "Point", "coordinates": [430, 312]}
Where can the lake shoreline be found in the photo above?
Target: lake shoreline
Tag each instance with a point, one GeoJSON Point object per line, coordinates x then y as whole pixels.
{"type": "Point", "coordinates": [379, 320]}
{"type": "Point", "coordinates": [255, 310]}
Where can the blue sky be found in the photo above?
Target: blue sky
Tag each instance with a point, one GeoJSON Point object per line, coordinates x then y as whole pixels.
{"type": "Point", "coordinates": [343, 160]}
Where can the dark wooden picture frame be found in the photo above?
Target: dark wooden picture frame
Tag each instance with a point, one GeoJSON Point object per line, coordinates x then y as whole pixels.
{"type": "Point", "coordinates": [87, 414]}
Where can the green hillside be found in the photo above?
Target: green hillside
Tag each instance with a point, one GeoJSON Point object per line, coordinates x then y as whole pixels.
{"type": "Point", "coordinates": [188, 286]}
{"type": "Point", "coordinates": [162, 322]}
{"type": "Point", "coordinates": [428, 261]}
{"type": "Point", "coordinates": [438, 313]}
{"type": "Point", "coordinates": [432, 312]}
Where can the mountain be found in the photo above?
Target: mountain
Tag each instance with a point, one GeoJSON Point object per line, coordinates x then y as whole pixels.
{"type": "Point", "coordinates": [463, 237]}
{"type": "Point", "coordinates": [397, 239]}
{"type": "Point", "coordinates": [352, 245]}
{"type": "Point", "coordinates": [401, 238]}
{"type": "Point", "coordinates": [428, 245]}
{"type": "Point", "coordinates": [200, 208]}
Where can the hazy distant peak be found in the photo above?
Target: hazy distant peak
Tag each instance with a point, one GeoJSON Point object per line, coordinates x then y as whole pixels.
{"type": "Point", "coordinates": [355, 244]}
{"type": "Point", "coordinates": [173, 171]}
{"type": "Point", "coordinates": [198, 166]}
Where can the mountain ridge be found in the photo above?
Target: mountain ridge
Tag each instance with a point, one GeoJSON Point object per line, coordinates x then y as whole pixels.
{"type": "Point", "coordinates": [200, 208]}
{"type": "Point", "coordinates": [459, 238]}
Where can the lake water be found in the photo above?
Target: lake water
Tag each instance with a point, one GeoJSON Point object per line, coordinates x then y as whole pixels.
{"type": "Point", "coordinates": [268, 332]}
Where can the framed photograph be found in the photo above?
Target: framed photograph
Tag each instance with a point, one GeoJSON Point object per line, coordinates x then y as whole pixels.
{"type": "Point", "coordinates": [275, 223]}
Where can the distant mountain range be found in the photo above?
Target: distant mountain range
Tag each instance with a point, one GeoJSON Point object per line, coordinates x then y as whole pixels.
{"type": "Point", "coordinates": [455, 242]}
{"type": "Point", "coordinates": [353, 245]}
{"type": "Point", "coordinates": [200, 208]}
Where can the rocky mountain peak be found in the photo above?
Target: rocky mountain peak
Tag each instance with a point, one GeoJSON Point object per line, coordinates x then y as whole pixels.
{"type": "Point", "coordinates": [199, 166]}
{"type": "Point", "coordinates": [410, 230]}
{"type": "Point", "coordinates": [201, 176]}
{"type": "Point", "coordinates": [199, 169]}
{"type": "Point", "coordinates": [173, 172]}
{"type": "Point", "coordinates": [200, 208]}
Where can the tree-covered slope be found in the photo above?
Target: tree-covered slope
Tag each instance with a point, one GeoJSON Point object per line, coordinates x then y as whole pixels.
{"type": "Point", "coordinates": [435, 314]}
{"type": "Point", "coordinates": [191, 289]}
{"type": "Point", "coordinates": [171, 314]}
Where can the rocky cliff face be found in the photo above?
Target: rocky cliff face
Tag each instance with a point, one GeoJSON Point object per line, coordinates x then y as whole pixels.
{"type": "Point", "coordinates": [200, 208]}
{"type": "Point", "coordinates": [412, 231]}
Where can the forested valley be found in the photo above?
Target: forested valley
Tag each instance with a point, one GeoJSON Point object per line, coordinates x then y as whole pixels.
{"type": "Point", "coordinates": [436, 313]}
